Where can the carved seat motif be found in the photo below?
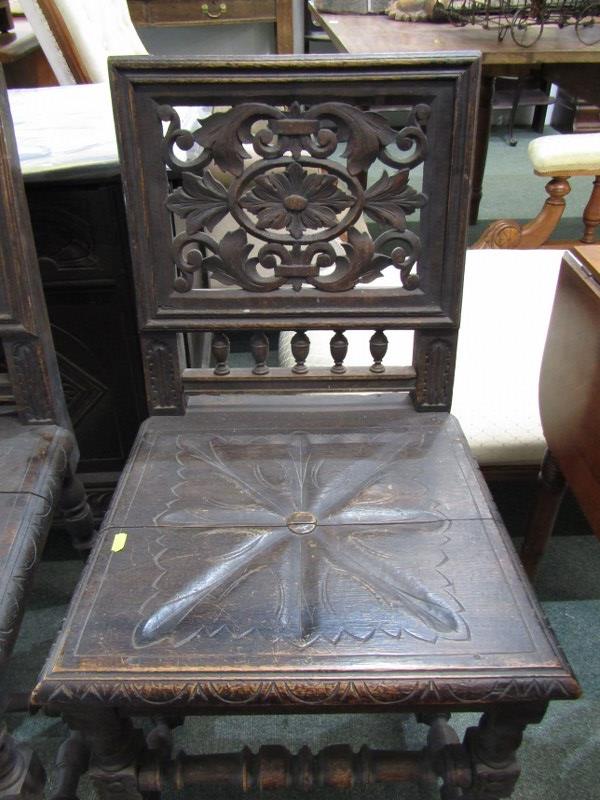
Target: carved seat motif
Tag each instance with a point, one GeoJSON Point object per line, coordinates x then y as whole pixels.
{"type": "Point", "coordinates": [300, 538]}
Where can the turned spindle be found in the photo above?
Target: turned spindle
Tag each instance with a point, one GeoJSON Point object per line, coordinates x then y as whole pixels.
{"type": "Point", "coordinates": [378, 345]}
{"type": "Point", "coordinates": [275, 768]}
{"type": "Point", "coordinates": [300, 347]}
{"type": "Point", "coordinates": [339, 349]}
{"type": "Point", "coordinates": [220, 352]}
{"type": "Point", "coordinates": [259, 346]}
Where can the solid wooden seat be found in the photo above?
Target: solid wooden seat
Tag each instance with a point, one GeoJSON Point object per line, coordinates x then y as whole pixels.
{"type": "Point", "coordinates": [304, 528]}
{"type": "Point", "coordinates": [300, 538]}
{"type": "Point", "coordinates": [33, 463]}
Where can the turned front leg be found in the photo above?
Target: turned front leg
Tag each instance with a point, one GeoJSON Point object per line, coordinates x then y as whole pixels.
{"type": "Point", "coordinates": [116, 748]}
{"type": "Point", "coordinates": [492, 747]}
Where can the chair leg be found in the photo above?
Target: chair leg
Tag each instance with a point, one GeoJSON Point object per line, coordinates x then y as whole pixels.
{"type": "Point", "coordinates": [76, 514]}
{"type": "Point", "coordinates": [551, 490]}
{"type": "Point", "coordinates": [72, 760]}
{"type": "Point", "coordinates": [513, 113]}
{"type": "Point", "coordinates": [22, 776]}
{"type": "Point", "coordinates": [115, 749]}
{"type": "Point", "coordinates": [507, 233]}
{"type": "Point", "coordinates": [493, 749]}
{"type": "Point", "coordinates": [591, 214]}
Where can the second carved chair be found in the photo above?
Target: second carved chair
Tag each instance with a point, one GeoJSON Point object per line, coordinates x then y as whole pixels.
{"type": "Point", "coordinates": [38, 452]}
{"type": "Point", "coordinates": [300, 539]}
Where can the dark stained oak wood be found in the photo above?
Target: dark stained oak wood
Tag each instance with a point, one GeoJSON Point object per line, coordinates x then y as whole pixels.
{"type": "Point", "coordinates": [271, 547]}
{"type": "Point", "coordinates": [297, 563]}
{"type": "Point", "coordinates": [569, 386]}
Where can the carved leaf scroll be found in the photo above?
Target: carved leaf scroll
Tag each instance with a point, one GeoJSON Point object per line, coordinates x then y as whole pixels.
{"type": "Point", "coordinates": [201, 201]}
{"type": "Point", "coordinates": [389, 199]}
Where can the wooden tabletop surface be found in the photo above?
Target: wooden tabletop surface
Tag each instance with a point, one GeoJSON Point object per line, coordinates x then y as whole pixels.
{"type": "Point", "coordinates": [377, 33]}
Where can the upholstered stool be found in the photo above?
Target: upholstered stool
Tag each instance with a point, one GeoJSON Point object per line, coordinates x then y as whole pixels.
{"type": "Point", "coordinates": [558, 158]}
{"type": "Point", "coordinates": [501, 423]}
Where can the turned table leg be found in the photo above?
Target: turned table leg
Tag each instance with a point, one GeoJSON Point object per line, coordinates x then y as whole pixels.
{"type": "Point", "coordinates": [484, 123]}
{"type": "Point", "coordinates": [551, 490]}
{"type": "Point", "coordinates": [493, 749]}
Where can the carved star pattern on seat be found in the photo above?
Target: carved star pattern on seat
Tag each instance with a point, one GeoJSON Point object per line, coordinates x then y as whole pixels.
{"type": "Point", "coordinates": [294, 529]}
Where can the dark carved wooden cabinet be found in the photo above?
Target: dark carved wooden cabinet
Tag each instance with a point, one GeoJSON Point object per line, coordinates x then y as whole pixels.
{"type": "Point", "coordinates": [300, 539]}
{"type": "Point", "coordinates": [81, 240]}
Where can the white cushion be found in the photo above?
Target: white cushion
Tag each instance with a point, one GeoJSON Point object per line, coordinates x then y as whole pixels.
{"type": "Point", "coordinates": [564, 155]}
{"type": "Point", "coordinates": [507, 300]}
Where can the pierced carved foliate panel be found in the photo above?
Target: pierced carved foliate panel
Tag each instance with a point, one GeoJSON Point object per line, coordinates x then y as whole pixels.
{"type": "Point", "coordinates": [295, 184]}
{"type": "Point", "coordinates": [310, 180]}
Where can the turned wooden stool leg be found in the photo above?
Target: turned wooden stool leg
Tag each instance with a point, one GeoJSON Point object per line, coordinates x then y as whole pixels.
{"type": "Point", "coordinates": [115, 747]}
{"type": "Point", "coordinates": [550, 492]}
{"type": "Point", "coordinates": [76, 514]}
{"type": "Point", "coordinates": [591, 214]}
{"type": "Point", "coordinates": [22, 776]}
{"type": "Point", "coordinates": [493, 749]}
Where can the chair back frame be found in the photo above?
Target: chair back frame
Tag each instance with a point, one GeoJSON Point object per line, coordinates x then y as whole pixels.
{"type": "Point", "coordinates": [24, 325]}
{"type": "Point", "coordinates": [310, 123]}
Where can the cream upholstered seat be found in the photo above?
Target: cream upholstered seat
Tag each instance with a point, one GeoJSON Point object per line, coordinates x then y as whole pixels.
{"type": "Point", "coordinates": [566, 154]}
{"type": "Point", "coordinates": [496, 381]}
{"type": "Point", "coordinates": [77, 36]}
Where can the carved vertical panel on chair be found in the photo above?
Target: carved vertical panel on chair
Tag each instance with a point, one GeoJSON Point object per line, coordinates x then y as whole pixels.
{"type": "Point", "coordinates": [164, 388]}
{"type": "Point", "coordinates": [435, 354]}
{"type": "Point", "coordinates": [25, 360]}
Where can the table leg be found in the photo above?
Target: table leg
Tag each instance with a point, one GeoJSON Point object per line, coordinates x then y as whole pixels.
{"type": "Point", "coordinates": [484, 122]}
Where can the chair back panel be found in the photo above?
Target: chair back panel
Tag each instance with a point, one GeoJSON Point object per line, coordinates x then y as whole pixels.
{"type": "Point", "coordinates": [24, 325]}
{"type": "Point", "coordinates": [284, 208]}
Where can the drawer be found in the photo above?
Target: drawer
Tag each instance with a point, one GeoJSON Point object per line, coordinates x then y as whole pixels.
{"type": "Point", "coordinates": [200, 12]}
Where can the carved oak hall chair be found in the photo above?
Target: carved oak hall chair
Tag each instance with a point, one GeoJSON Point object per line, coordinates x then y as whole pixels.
{"type": "Point", "coordinates": [38, 454]}
{"type": "Point", "coordinates": [300, 540]}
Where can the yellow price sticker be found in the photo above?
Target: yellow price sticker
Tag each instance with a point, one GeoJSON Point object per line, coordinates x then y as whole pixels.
{"type": "Point", "coordinates": [119, 542]}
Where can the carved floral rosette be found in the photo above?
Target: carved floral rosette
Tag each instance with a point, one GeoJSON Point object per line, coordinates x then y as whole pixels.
{"type": "Point", "coordinates": [295, 182]}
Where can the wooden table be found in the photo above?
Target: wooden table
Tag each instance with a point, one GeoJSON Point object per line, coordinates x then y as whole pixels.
{"type": "Point", "coordinates": [557, 54]}
{"type": "Point", "coordinates": [214, 12]}
{"type": "Point", "coordinates": [569, 410]}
